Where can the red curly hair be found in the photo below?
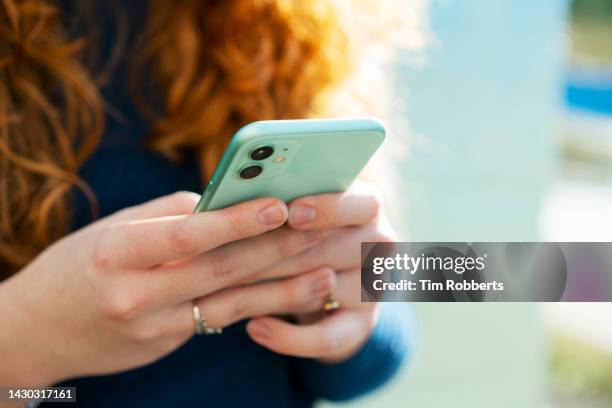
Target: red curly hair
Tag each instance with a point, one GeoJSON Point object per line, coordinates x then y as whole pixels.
{"type": "Point", "coordinates": [219, 65]}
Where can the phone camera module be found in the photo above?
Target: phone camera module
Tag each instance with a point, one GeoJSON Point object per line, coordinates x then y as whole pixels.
{"type": "Point", "coordinates": [250, 171]}
{"type": "Point", "coordinates": [262, 152]}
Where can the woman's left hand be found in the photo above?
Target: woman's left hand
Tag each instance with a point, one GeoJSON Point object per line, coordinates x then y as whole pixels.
{"type": "Point", "coordinates": [349, 219]}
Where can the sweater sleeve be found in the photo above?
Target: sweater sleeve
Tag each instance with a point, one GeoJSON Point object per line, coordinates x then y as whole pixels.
{"type": "Point", "coordinates": [389, 345]}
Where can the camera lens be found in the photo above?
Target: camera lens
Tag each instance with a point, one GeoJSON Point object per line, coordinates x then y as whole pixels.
{"type": "Point", "coordinates": [262, 152]}
{"type": "Point", "coordinates": [251, 171]}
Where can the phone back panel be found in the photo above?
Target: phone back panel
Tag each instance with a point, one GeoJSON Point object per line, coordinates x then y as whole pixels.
{"type": "Point", "coordinates": [311, 156]}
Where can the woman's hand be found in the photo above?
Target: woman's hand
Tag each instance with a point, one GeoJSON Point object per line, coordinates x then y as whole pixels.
{"type": "Point", "coordinates": [349, 218]}
{"type": "Point", "coordinates": [119, 293]}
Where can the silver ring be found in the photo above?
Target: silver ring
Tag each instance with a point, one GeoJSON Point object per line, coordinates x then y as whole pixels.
{"type": "Point", "coordinates": [201, 327]}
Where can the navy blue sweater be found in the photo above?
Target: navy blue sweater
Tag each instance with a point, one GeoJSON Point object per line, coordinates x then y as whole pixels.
{"type": "Point", "coordinates": [227, 370]}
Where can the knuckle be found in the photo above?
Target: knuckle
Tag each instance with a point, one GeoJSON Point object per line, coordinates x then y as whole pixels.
{"type": "Point", "coordinates": [310, 237]}
{"type": "Point", "coordinates": [121, 305]}
{"type": "Point", "coordinates": [222, 268]}
{"type": "Point", "coordinates": [293, 295]}
{"type": "Point", "coordinates": [287, 247]}
{"type": "Point", "coordinates": [102, 255]}
{"type": "Point", "coordinates": [180, 236]}
{"type": "Point", "coordinates": [236, 222]}
{"type": "Point", "coordinates": [288, 243]}
{"type": "Point", "coordinates": [312, 258]}
{"type": "Point", "coordinates": [239, 309]}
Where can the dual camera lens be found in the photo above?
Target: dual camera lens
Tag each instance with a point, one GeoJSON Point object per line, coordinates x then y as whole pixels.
{"type": "Point", "coordinates": [254, 170]}
{"type": "Point", "coordinates": [262, 152]}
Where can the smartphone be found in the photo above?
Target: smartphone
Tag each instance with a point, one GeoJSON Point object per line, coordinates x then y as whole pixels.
{"type": "Point", "coordinates": [288, 159]}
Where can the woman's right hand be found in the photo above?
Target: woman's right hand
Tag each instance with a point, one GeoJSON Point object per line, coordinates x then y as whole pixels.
{"type": "Point", "coordinates": [119, 293]}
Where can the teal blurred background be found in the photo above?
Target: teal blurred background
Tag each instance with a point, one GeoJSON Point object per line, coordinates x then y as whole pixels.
{"type": "Point", "coordinates": [507, 124]}
{"type": "Point", "coordinates": [483, 110]}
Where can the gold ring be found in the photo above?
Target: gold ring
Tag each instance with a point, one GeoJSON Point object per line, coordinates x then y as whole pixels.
{"type": "Point", "coordinates": [331, 304]}
{"type": "Point", "coordinates": [201, 327]}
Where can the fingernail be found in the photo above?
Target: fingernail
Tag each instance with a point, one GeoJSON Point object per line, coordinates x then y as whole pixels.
{"type": "Point", "coordinates": [322, 285]}
{"type": "Point", "coordinates": [273, 214]}
{"type": "Point", "coordinates": [259, 330]}
{"type": "Point", "coordinates": [302, 214]}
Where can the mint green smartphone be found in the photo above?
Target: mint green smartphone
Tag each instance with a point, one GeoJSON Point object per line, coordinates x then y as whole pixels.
{"type": "Point", "coordinates": [288, 159]}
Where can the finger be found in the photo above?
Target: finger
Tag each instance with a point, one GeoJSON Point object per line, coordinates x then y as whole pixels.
{"type": "Point", "coordinates": [348, 288]}
{"type": "Point", "coordinates": [173, 322]}
{"type": "Point", "coordinates": [329, 337]}
{"type": "Point", "coordinates": [225, 266]}
{"type": "Point", "coordinates": [146, 243]}
{"type": "Point", "coordinates": [340, 250]}
{"type": "Point", "coordinates": [347, 292]}
{"type": "Point", "coordinates": [179, 203]}
{"type": "Point", "coordinates": [223, 308]}
{"type": "Point", "coordinates": [357, 206]}
{"type": "Point", "coordinates": [288, 296]}
{"type": "Point", "coordinates": [306, 293]}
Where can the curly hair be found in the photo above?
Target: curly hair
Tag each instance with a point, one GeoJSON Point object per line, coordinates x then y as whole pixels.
{"type": "Point", "coordinates": [218, 65]}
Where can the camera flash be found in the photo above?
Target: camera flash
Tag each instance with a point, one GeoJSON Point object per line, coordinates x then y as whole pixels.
{"type": "Point", "coordinates": [279, 159]}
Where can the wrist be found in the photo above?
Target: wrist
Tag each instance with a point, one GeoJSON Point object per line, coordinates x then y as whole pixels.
{"type": "Point", "coordinates": [20, 354]}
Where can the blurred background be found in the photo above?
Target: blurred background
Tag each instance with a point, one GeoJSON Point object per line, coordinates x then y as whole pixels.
{"type": "Point", "coordinates": [510, 116]}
